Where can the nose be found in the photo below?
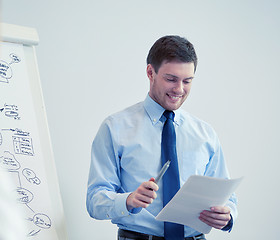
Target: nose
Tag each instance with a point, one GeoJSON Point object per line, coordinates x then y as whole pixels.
{"type": "Point", "coordinates": [179, 88]}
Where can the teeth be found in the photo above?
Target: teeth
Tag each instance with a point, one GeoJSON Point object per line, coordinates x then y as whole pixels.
{"type": "Point", "coordinates": [174, 97]}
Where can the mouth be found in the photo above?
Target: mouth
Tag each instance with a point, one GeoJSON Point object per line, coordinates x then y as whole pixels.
{"type": "Point", "coordinates": [174, 98]}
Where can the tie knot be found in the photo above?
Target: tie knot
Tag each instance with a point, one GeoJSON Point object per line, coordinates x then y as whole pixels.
{"type": "Point", "coordinates": [169, 114]}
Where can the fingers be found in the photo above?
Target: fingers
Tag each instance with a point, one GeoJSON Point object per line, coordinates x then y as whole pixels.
{"type": "Point", "coordinates": [151, 185]}
{"type": "Point", "coordinates": [136, 200]}
{"type": "Point", "coordinates": [220, 209]}
{"type": "Point", "coordinates": [217, 217]}
{"type": "Point", "coordinates": [147, 189]}
{"type": "Point", "coordinates": [143, 196]}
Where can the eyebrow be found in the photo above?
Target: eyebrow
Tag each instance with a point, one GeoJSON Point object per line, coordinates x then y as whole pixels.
{"type": "Point", "coordinates": [171, 75]}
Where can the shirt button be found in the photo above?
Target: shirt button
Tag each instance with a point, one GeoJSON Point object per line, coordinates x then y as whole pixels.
{"type": "Point", "coordinates": [122, 213]}
{"type": "Point", "coordinates": [107, 216]}
{"type": "Point", "coordinates": [154, 120]}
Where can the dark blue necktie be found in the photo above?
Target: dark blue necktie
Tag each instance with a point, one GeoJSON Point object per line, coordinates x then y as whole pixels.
{"type": "Point", "coordinates": [171, 181]}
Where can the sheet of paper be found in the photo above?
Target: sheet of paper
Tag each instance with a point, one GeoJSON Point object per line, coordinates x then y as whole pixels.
{"type": "Point", "coordinates": [197, 194]}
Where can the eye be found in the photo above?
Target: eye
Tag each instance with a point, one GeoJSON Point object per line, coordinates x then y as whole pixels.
{"type": "Point", "coordinates": [187, 81]}
{"type": "Point", "coordinates": [171, 79]}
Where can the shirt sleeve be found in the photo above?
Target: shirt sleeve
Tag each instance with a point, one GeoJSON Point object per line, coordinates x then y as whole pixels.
{"type": "Point", "coordinates": [217, 168]}
{"type": "Point", "coordinates": [105, 198]}
{"type": "Point", "coordinates": [229, 226]}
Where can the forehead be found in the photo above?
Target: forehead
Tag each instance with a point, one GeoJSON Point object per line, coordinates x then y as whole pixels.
{"type": "Point", "coordinates": [186, 69]}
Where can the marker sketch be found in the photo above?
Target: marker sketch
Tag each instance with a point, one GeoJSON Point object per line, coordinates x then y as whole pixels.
{"type": "Point", "coordinates": [23, 145]}
{"type": "Point", "coordinates": [8, 161]}
{"type": "Point", "coordinates": [6, 72]}
{"type": "Point", "coordinates": [17, 131]}
{"type": "Point", "coordinates": [10, 111]}
{"type": "Point", "coordinates": [24, 196]}
{"type": "Point", "coordinates": [40, 220]}
{"type": "Point", "coordinates": [30, 176]}
{"type": "Point", "coordinates": [22, 142]}
{"type": "Point", "coordinates": [19, 155]}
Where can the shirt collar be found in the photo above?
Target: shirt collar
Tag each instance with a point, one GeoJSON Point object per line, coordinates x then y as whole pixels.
{"type": "Point", "coordinates": [155, 111]}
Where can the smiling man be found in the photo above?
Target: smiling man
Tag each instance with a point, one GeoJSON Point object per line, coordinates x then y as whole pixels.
{"type": "Point", "coordinates": [171, 85]}
{"type": "Point", "coordinates": [131, 146]}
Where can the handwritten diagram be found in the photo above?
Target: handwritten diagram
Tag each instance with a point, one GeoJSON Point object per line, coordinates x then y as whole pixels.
{"type": "Point", "coordinates": [23, 145]}
{"type": "Point", "coordinates": [21, 151]}
{"type": "Point", "coordinates": [6, 71]}
{"type": "Point", "coordinates": [31, 176]}
{"type": "Point", "coordinates": [22, 142]}
{"type": "Point", "coordinates": [42, 221]}
{"type": "Point", "coordinates": [10, 111]}
{"type": "Point", "coordinates": [25, 196]}
{"type": "Point", "coordinates": [9, 162]}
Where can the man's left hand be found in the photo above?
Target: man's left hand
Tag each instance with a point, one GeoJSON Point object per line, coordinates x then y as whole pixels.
{"type": "Point", "coordinates": [218, 217]}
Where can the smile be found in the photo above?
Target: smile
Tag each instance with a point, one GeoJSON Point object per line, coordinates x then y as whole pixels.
{"type": "Point", "coordinates": [174, 97]}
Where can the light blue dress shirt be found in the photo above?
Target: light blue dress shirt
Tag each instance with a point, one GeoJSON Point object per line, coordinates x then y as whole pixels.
{"type": "Point", "coordinates": [126, 152]}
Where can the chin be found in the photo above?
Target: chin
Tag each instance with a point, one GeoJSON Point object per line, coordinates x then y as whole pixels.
{"type": "Point", "coordinates": [172, 108]}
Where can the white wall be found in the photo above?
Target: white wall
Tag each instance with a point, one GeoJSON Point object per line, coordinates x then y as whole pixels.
{"type": "Point", "coordinates": [92, 63]}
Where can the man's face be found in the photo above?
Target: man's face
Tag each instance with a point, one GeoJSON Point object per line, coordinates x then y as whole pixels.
{"type": "Point", "coordinates": [171, 85]}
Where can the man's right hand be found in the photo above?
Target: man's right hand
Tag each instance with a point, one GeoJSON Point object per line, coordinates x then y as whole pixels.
{"type": "Point", "coordinates": [143, 196]}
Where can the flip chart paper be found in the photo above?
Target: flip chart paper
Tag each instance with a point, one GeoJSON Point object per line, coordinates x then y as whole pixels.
{"type": "Point", "coordinates": [20, 147]}
{"type": "Point", "coordinates": [197, 194]}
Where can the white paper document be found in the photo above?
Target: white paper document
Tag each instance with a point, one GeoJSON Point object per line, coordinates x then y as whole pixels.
{"type": "Point", "coordinates": [197, 194]}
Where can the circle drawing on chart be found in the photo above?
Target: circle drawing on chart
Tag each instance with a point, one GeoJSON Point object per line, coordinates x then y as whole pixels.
{"type": "Point", "coordinates": [5, 70]}
{"type": "Point", "coordinates": [24, 196]}
{"type": "Point", "coordinates": [9, 162]}
{"type": "Point", "coordinates": [12, 114]}
{"type": "Point", "coordinates": [42, 220]}
{"type": "Point", "coordinates": [30, 176]}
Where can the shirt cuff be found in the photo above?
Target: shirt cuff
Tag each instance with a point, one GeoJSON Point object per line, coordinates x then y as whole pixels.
{"type": "Point", "coordinates": [229, 226]}
{"type": "Point", "coordinates": [120, 206]}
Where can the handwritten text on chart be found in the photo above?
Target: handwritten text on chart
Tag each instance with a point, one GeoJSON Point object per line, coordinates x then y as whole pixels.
{"type": "Point", "coordinates": [5, 68]}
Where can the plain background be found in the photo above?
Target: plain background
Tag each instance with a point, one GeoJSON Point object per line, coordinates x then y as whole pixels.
{"type": "Point", "coordinates": [91, 59]}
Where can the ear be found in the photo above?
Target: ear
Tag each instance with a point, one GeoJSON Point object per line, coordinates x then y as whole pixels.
{"type": "Point", "coordinates": [150, 72]}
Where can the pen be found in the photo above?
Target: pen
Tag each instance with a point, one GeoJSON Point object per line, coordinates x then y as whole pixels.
{"type": "Point", "coordinates": [162, 171]}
